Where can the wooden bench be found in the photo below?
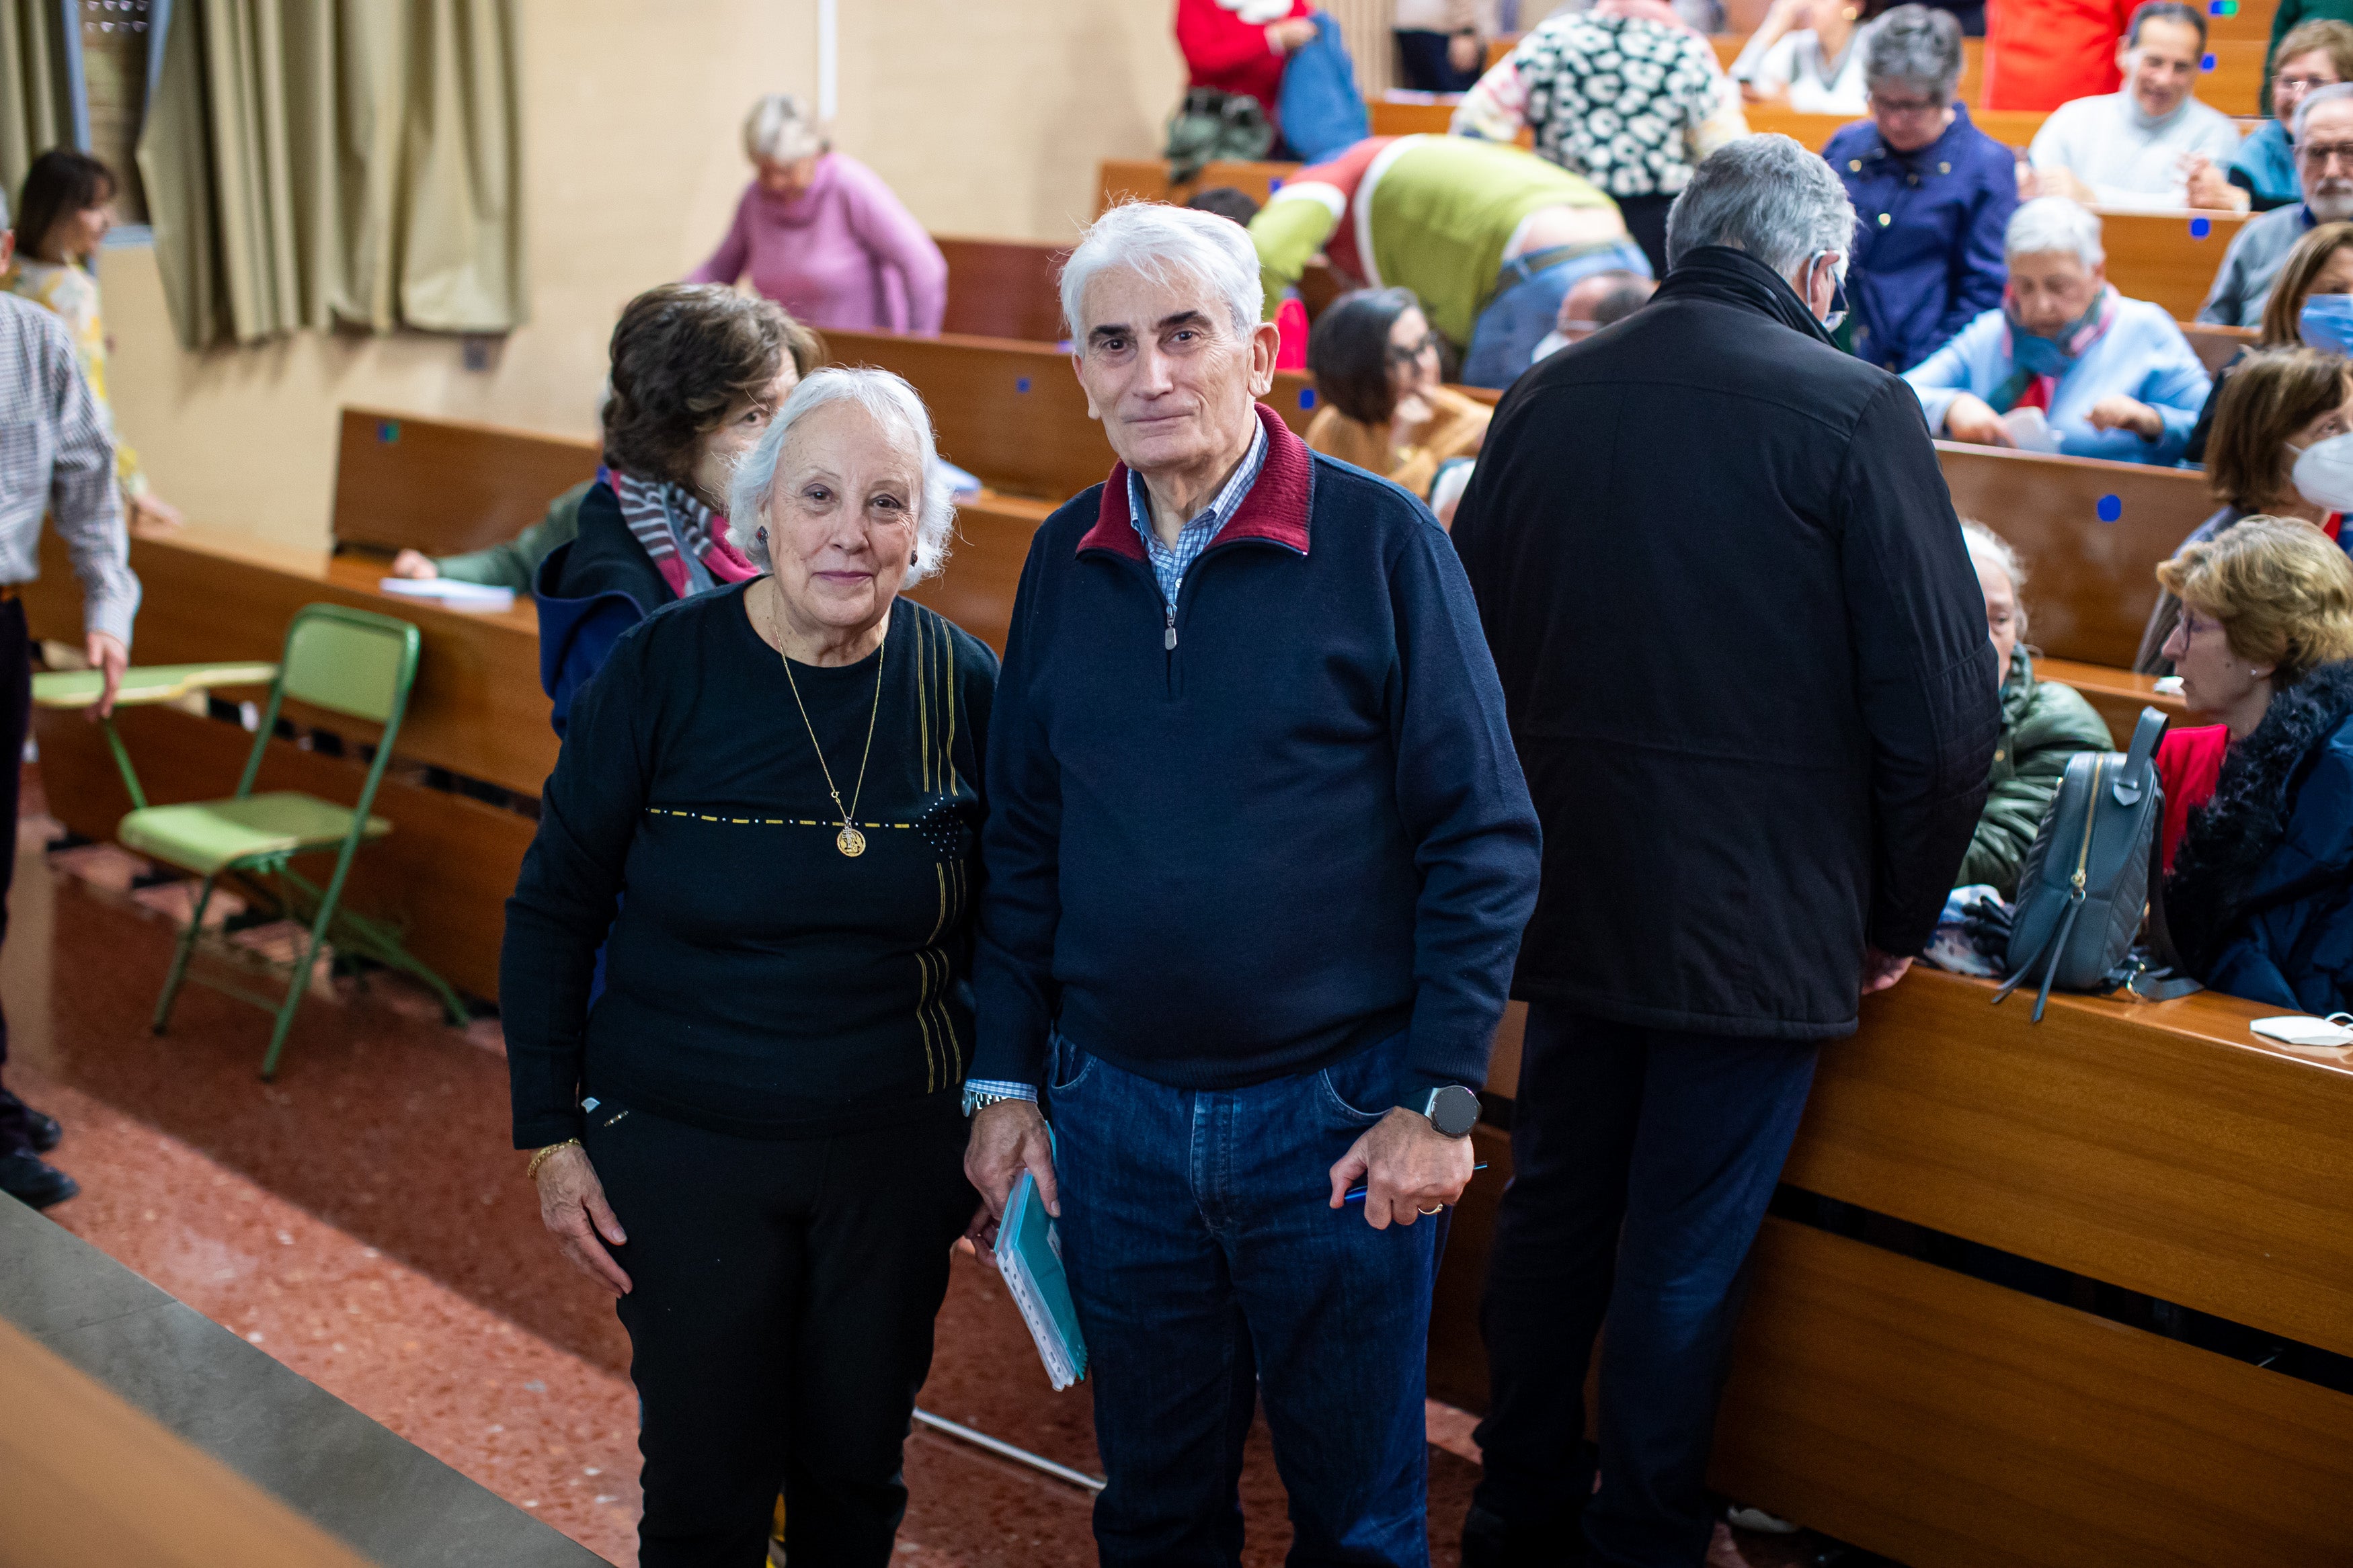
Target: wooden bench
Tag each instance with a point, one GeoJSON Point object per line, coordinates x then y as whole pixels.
{"type": "Point", "coordinates": [1003, 287]}
{"type": "Point", "coordinates": [448, 486]}
{"type": "Point", "coordinates": [2216, 346]}
{"type": "Point", "coordinates": [1944, 1421]}
{"type": "Point", "coordinates": [2013, 128]}
{"type": "Point", "coordinates": [2116, 695]}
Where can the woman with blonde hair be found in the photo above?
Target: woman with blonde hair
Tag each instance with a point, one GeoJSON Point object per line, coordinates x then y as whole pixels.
{"type": "Point", "coordinates": [821, 235]}
{"type": "Point", "coordinates": [2259, 808]}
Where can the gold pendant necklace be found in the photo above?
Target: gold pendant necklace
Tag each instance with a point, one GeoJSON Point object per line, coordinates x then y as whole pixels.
{"type": "Point", "coordinates": [850, 840]}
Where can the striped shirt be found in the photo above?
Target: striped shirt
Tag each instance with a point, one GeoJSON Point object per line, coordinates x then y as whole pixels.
{"type": "Point", "coordinates": [56, 457]}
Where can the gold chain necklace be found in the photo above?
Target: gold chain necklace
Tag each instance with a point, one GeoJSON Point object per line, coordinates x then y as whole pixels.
{"type": "Point", "coordinates": [850, 841]}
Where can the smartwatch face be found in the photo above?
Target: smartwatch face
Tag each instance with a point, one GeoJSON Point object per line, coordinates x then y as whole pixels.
{"type": "Point", "coordinates": [1454, 1111]}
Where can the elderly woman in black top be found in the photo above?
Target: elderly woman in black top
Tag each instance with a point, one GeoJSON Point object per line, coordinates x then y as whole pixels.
{"type": "Point", "coordinates": [753, 1136]}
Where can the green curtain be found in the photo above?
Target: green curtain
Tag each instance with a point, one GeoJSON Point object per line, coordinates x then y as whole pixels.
{"type": "Point", "coordinates": [337, 164]}
{"type": "Point", "coordinates": [36, 93]}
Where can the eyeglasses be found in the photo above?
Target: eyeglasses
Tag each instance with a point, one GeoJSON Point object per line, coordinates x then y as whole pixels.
{"type": "Point", "coordinates": [2192, 623]}
{"type": "Point", "coordinates": [1836, 316]}
{"type": "Point", "coordinates": [2321, 155]}
{"type": "Point", "coordinates": [1905, 108]}
{"type": "Point", "coordinates": [2299, 85]}
{"type": "Point", "coordinates": [1406, 354]}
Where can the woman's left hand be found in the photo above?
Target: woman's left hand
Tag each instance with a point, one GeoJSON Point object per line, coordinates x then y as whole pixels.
{"type": "Point", "coordinates": [2117, 411]}
{"type": "Point", "coordinates": [571, 1205]}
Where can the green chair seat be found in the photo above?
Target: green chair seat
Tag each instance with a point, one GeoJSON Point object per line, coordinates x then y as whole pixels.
{"type": "Point", "coordinates": [210, 835]}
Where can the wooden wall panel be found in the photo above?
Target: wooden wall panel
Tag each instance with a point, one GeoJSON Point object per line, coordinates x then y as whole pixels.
{"type": "Point", "coordinates": [445, 486]}
{"type": "Point", "coordinates": [1950, 1424]}
{"type": "Point", "coordinates": [442, 875]}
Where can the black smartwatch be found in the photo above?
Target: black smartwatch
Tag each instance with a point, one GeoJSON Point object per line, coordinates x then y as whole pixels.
{"type": "Point", "coordinates": [1454, 1111]}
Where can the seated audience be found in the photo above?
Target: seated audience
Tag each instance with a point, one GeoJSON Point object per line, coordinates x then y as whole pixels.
{"type": "Point", "coordinates": [1488, 239]}
{"type": "Point", "coordinates": [2308, 305]}
{"type": "Point", "coordinates": [2043, 723]}
{"type": "Point", "coordinates": [1807, 54]}
{"type": "Point", "coordinates": [1377, 373]}
{"type": "Point", "coordinates": [2151, 146]}
{"type": "Point", "coordinates": [1442, 44]}
{"type": "Point", "coordinates": [2113, 377]}
{"type": "Point", "coordinates": [1241, 46]}
{"type": "Point", "coordinates": [62, 214]}
{"type": "Point", "coordinates": [1595, 300]}
{"type": "Point", "coordinates": [2259, 808]}
{"type": "Point", "coordinates": [2324, 161]}
{"type": "Point", "coordinates": [2276, 407]}
{"type": "Point", "coordinates": [697, 372]}
{"type": "Point", "coordinates": [1942, 190]}
{"type": "Point", "coordinates": [821, 235]}
{"type": "Point", "coordinates": [2315, 54]}
{"type": "Point", "coordinates": [2040, 54]}
{"type": "Point", "coordinates": [768, 1169]}
{"type": "Point", "coordinates": [512, 565]}
{"type": "Point", "coordinates": [1628, 102]}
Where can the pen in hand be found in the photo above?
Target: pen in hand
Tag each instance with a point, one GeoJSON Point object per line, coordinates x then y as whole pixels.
{"type": "Point", "coordinates": [1356, 1195]}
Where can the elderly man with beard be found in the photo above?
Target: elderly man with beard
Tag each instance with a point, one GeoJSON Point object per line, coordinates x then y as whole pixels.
{"type": "Point", "coordinates": [2324, 161]}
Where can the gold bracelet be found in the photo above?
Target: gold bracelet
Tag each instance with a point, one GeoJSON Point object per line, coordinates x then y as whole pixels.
{"type": "Point", "coordinates": [530, 1172]}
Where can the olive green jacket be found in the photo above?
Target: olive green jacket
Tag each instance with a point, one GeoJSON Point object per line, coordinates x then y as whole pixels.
{"type": "Point", "coordinates": [512, 563]}
{"type": "Point", "coordinates": [2042, 724]}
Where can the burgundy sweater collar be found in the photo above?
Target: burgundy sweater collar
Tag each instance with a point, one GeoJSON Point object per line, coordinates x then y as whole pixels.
{"type": "Point", "coordinates": [1275, 509]}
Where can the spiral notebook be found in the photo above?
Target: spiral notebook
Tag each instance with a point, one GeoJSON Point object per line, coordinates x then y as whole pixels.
{"type": "Point", "coordinates": [1030, 1258]}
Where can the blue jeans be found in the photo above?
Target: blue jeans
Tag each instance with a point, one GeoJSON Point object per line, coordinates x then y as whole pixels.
{"type": "Point", "coordinates": [1504, 339]}
{"type": "Point", "coordinates": [1209, 1274]}
{"type": "Point", "coordinates": [1642, 1163]}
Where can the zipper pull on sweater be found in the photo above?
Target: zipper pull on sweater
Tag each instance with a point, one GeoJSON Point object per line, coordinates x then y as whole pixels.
{"type": "Point", "coordinates": [1169, 637]}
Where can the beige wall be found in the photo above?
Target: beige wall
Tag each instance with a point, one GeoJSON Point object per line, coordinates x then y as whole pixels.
{"type": "Point", "coordinates": [988, 116]}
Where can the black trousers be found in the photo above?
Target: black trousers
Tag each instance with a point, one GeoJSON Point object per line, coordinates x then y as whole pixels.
{"type": "Point", "coordinates": [1642, 1163]}
{"type": "Point", "coordinates": [780, 1323]}
{"type": "Point", "coordinates": [16, 722]}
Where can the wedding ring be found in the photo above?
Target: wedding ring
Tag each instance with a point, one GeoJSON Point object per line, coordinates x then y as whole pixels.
{"type": "Point", "coordinates": [1439, 1209]}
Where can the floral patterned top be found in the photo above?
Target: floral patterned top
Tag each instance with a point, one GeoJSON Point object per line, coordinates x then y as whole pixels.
{"type": "Point", "coordinates": [1629, 103]}
{"type": "Point", "coordinates": [70, 291]}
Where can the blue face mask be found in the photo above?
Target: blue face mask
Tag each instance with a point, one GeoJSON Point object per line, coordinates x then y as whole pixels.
{"type": "Point", "coordinates": [2326, 323]}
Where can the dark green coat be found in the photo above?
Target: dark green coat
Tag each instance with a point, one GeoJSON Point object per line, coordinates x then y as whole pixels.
{"type": "Point", "coordinates": [2042, 724]}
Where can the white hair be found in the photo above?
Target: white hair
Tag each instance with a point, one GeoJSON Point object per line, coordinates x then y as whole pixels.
{"type": "Point", "coordinates": [2335, 92]}
{"type": "Point", "coordinates": [2049, 223]}
{"type": "Point", "coordinates": [1159, 241]}
{"type": "Point", "coordinates": [1767, 195]}
{"type": "Point", "coordinates": [1986, 545]}
{"type": "Point", "coordinates": [895, 406]}
{"type": "Point", "coordinates": [780, 127]}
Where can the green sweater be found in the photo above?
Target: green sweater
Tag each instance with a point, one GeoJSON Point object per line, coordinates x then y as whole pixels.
{"type": "Point", "coordinates": [513, 563]}
{"type": "Point", "coordinates": [2043, 723]}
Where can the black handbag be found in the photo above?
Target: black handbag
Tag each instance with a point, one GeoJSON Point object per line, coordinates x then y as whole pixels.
{"type": "Point", "coordinates": [2089, 877]}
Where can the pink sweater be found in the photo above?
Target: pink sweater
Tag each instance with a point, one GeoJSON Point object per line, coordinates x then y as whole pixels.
{"type": "Point", "coordinates": [843, 254]}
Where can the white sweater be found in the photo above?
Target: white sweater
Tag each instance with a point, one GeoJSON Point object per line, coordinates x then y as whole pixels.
{"type": "Point", "coordinates": [2102, 142]}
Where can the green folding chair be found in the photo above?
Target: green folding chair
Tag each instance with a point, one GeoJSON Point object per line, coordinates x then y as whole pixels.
{"type": "Point", "coordinates": [345, 661]}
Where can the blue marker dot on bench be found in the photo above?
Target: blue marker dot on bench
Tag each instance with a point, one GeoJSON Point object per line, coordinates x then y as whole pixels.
{"type": "Point", "coordinates": [1306, 398]}
{"type": "Point", "coordinates": [1274, 184]}
{"type": "Point", "coordinates": [2200, 227]}
{"type": "Point", "coordinates": [1021, 384]}
{"type": "Point", "coordinates": [2207, 63]}
{"type": "Point", "coordinates": [2111, 508]}
{"type": "Point", "coordinates": [387, 431]}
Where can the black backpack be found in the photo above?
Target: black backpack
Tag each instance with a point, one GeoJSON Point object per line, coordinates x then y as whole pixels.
{"type": "Point", "coordinates": [2090, 875]}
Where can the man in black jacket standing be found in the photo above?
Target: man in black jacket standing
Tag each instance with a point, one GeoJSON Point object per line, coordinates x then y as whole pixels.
{"type": "Point", "coordinates": [1746, 664]}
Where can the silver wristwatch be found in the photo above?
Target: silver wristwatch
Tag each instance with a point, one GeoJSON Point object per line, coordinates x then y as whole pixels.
{"type": "Point", "coordinates": [974, 1098]}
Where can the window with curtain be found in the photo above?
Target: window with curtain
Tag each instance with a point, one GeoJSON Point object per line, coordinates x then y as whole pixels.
{"type": "Point", "coordinates": [350, 164]}
{"type": "Point", "coordinates": [114, 37]}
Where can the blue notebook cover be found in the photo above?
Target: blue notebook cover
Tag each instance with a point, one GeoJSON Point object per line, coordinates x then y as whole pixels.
{"type": "Point", "coordinates": [1029, 1257]}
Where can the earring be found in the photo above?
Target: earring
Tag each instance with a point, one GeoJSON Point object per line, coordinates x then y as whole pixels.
{"type": "Point", "coordinates": [763, 535]}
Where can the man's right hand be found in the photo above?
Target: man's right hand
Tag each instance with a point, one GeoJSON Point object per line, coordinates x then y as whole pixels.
{"type": "Point", "coordinates": [417, 564]}
{"type": "Point", "coordinates": [1007, 1137]}
{"type": "Point", "coordinates": [1881, 969]}
{"type": "Point", "coordinates": [1972, 419]}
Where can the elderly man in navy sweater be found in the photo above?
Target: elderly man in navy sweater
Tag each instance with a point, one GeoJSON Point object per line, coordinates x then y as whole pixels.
{"type": "Point", "coordinates": [1259, 854]}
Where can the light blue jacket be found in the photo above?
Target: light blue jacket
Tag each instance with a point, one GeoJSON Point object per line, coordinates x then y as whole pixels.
{"type": "Point", "coordinates": [2142, 355]}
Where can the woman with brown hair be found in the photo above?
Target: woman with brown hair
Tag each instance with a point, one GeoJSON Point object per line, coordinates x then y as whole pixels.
{"type": "Point", "coordinates": [2279, 404]}
{"type": "Point", "coordinates": [1376, 367]}
{"type": "Point", "coordinates": [2259, 808]}
{"type": "Point", "coordinates": [2307, 307]}
{"type": "Point", "coordinates": [698, 370]}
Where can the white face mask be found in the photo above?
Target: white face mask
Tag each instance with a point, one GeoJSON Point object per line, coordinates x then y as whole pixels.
{"type": "Point", "coordinates": [1552, 343]}
{"type": "Point", "coordinates": [2323, 474]}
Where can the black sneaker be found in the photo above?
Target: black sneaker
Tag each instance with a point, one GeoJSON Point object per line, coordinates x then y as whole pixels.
{"type": "Point", "coordinates": [47, 1130]}
{"type": "Point", "coordinates": [32, 1181]}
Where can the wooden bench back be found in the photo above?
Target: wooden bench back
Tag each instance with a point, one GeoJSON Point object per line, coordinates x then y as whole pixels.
{"type": "Point", "coordinates": [2013, 128]}
{"type": "Point", "coordinates": [2091, 575]}
{"type": "Point", "coordinates": [1003, 288]}
{"type": "Point", "coordinates": [1146, 180]}
{"type": "Point", "coordinates": [2215, 346]}
{"type": "Point", "coordinates": [446, 486]}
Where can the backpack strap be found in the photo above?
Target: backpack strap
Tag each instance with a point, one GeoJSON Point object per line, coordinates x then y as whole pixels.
{"type": "Point", "coordinates": [2133, 779]}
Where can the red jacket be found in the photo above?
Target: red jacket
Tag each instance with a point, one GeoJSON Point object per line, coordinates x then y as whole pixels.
{"type": "Point", "coordinates": [2189, 763]}
{"type": "Point", "coordinates": [2040, 54]}
{"type": "Point", "coordinates": [1225, 52]}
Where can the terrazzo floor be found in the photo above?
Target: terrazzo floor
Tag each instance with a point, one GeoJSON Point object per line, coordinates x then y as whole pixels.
{"type": "Point", "coordinates": [364, 1220]}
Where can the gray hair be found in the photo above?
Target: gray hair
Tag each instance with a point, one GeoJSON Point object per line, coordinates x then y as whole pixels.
{"type": "Point", "coordinates": [1985, 544]}
{"type": "Point", "coordinates": [2335, 92]}
{"type": "Point", "coordinates": [1159, 240]}
{"type": "Point", "coordinates": [1767, 195]}
{"type": "Point", "coordinates": [2049, 223]}
{"type": "Point", "coordinates": [1918, 46]}
{"type": "Point", "coordinates": [781, 127]}
{"type": "Point", "coordinates": [893, 403]}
